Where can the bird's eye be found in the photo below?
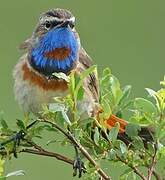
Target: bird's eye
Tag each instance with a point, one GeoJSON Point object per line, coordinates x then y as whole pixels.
{"type": "Point", "coordinates": [47, 25]}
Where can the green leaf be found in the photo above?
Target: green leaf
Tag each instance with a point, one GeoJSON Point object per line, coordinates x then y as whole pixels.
{"type": "Point", "coordinates": [163, 82]}
{"type": "Point", "coordinates": [124, 177]}
{"type": "Point", "coordinates": [77, 133]}
{"type": "Point", "coordinates": [49, 128]}
{"type": "Point", "coordinates": [150, 148]}
{"type": "Point", "coordinates": [51, 142]}
{"type": "Point", "coordinates": [126, 172]}
{"type": "Point", "coordinates": [114, 83]}
{"type": "Point", "coordinates": [85, 122]}
{"type": "Point", "coordinates": [83, 75]}
{"type": "Point", "coordinates": [153, 94]}
{"type": "Point", "coordinates": [114, 132]}
{"type": "Point", "coordinates": [107, 109]}
{"type": "Point", "coordinates": [38, 130]}
{"type": "Point", "coordinates": [20, 124]}
{"type": "Point", "coordinates": [132, 130]}
{"type": "Point", "coordinates": [123, 147]}
{"type": "Point", "coordinates": [4, 124]}
{"type": "Point", "coordinates": [106, 72]}
{"type": "Point", "coordinates": [59, 119]}
{"type": "Point", "coordinates": [161, 151]}
{"type": "Point", "coordinates": [105, 80]}
{"type": "Point", "coordinates": [3, 178]}
{"type": "Point", "coordinates": [2, 162]}
{"type": "Point", "coordinates": [115, 87]}
{"type": "Point", "coordinates": [160, 130]}
{"type": "Point", "coordinates": [65, 116]}
{"type": "Point", "coordinates": [16, 173]}
{"type": "Point", "coordinates": [145, 106]}
{"type": "Point", "coordinates": [56, 107]}
{"type": "Point", "coordinates": [138, 143]}
{"type": "Point", "coordinates": [125, 95]}
{"type": "Point", "coordinates": [64, 142]}
{"type": "Point", "coordinates": [2, 121]}
{"type": "Point", "coordinates": [96, 135]}
{"type": "Point", "coordinates": [80, 94]}
{"type": "Point", "coordinates": [77, 79]}
{"type": "Point", "coordinates": [72, 83]}
{"type": "Point", "coordinates": [112, 154]}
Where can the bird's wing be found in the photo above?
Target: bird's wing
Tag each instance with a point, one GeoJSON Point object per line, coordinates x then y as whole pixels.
{"type": "Point", "coordinates": [92, 86]}
{"type": "Point", "coordinates": [92, 81]}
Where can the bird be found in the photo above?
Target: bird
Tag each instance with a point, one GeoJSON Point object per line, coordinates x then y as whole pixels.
{"type": "Point", "coordinates": [55, 46]}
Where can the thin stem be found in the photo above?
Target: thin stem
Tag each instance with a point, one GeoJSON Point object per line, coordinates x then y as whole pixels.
{"type": "Point", "coordinates": [41, 153]}
{"type": "Point", "coordinates": [88, 156]}
{"type": "Point", "coordinates": [81, 148]}
{"type": "Point", "coordinates": [49, 154]}
{"type": "Point", "coordinates": [44, 152]}
{"type": "Point", "coordinates": [36, 146]}
{"type": "Point", "coordinates": [157, 176]}
{"type": "Point", "coordinates": [153, 163]}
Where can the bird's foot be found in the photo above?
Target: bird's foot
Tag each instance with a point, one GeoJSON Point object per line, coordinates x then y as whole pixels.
{"type": "Point", "coordinates": [17, 139]}
{"type": "Point", "coordinates": [78, 167]}
{"type": "Point", "coordinates": [20, 136]}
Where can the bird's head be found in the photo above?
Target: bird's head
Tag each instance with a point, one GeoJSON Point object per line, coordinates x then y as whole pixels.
{"type": "Point", "coordinates": [55, 43]}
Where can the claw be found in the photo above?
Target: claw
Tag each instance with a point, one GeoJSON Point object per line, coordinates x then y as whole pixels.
{"type": "Point", "coordinates": [78, 166]}
{"type": "Point", "coordinates": [17, 139]}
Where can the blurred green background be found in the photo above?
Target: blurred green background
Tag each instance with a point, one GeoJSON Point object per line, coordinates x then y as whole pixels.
{"type": "Point", "coordinates": [128, 36]}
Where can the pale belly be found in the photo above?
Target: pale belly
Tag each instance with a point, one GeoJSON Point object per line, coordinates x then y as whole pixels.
{"type": "Point", "coordinates": [30, 96]}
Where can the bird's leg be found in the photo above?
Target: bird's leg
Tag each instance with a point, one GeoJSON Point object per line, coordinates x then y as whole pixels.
{"type": "Point", "coordinates": [78, 164]}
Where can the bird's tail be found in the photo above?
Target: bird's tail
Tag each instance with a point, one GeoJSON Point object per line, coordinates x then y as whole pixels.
{"type": "Point", "coordinates": [113, 120]}
{"type": "Point", "coordinates": [145, 133]}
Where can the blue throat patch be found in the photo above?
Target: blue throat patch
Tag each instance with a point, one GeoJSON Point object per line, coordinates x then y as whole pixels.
{"type": "Point", "coordinates": [55, 52]}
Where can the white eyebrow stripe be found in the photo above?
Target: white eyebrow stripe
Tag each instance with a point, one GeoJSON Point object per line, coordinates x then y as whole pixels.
{"type": "Point", "coordinates": [72, 19]}
{"type": "Point", "coordinates": [54, 19]}
{"type": "Point", "coordinates": [43, 20]}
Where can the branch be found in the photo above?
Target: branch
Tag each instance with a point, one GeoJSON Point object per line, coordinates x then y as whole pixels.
{"type": "Point", "coordinates": [49, 154]}
{"type": "Point", "coordinates": [151, 168]}
{"type": "Point", "coordinates": [135, 169]}
{"type": "Point", "coordinates": [42, 152]}
{"type": "Point", "coordinates": [81, 148]}
{"type": "Point", "coordinates": [157, 176]}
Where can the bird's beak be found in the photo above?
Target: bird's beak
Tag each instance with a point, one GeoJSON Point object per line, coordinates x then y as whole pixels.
{"type": "Point", "coordinates": [65, 24]}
